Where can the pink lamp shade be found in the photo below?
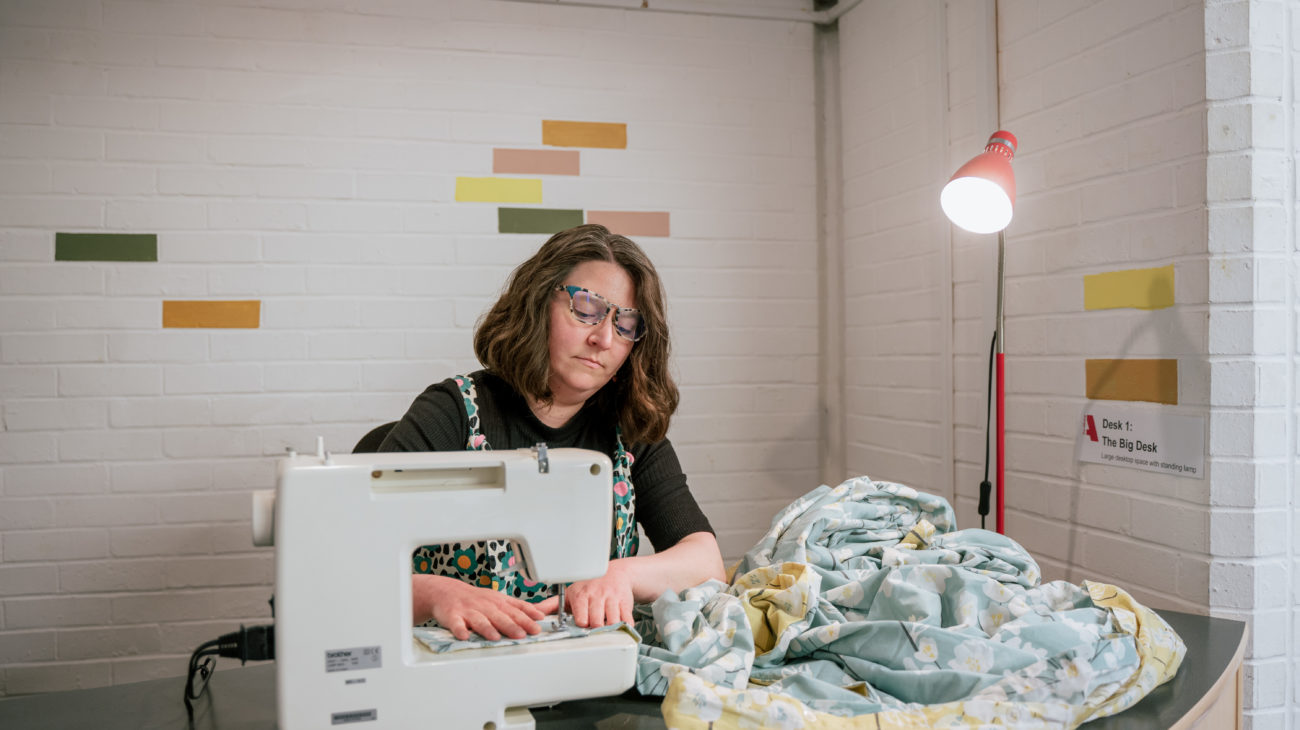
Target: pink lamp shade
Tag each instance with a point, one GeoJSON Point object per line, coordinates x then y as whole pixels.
{"type": "Point", "coordinates": [981, 195]}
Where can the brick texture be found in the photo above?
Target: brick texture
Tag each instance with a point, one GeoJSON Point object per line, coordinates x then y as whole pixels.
{"type": "Point", "coordinates": [307, 159]}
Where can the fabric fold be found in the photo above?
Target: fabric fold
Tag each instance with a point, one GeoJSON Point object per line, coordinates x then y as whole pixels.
{"type": "Point", "coordinates": [866, 608]}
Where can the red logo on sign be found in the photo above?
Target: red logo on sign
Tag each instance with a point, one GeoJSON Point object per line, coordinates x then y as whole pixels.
{"type": "Point", "coordinates": [1090, 428]}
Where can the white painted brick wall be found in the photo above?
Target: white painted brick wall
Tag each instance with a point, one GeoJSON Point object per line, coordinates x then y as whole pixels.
{"type": "Point", "coordinates": [307, 158]}
{"type": "Point", "coordinates": [275, 167]}
{"type": "Point", "coordinates": [1251, 342]}
{"type": "Point", "coordinates": [1165, 137]}
{"type": "Point", "coordinates": [898, 399]}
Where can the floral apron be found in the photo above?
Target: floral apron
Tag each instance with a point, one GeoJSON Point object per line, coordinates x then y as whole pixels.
{"type": "Point", "coordinates": [492, 563]}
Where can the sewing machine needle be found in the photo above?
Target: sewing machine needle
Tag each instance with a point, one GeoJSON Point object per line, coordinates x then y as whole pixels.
{"type": "Point", "coordinates": [560, 620]}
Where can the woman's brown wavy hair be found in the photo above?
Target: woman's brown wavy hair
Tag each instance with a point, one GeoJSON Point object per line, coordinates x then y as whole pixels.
{"type": "Point", "coordinates": [513, 338]}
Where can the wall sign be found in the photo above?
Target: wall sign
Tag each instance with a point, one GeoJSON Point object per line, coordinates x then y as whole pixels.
{"type": "Point", "coordinates": [1140, 438]}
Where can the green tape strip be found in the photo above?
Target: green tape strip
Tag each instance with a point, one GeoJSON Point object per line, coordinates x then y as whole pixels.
{"type": "Point", "coordinates": [536, 220]}
{"type": "Point", "coordinates": [105, 247]}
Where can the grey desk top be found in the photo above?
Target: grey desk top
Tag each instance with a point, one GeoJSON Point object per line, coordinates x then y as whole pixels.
{"type": "Point", "coordinates": [244, 698]}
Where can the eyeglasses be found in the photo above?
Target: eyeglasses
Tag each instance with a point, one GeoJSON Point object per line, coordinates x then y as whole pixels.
{"type": "Point", "coordinates": [590, 308]}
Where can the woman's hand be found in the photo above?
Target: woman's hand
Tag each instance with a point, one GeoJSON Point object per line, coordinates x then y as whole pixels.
{"type": "Point", "coordinates": [461, 608]}
{"type": "Point", "coordinates": [599, 602]}
{"type": "Point", "coordinates": [609, 599]}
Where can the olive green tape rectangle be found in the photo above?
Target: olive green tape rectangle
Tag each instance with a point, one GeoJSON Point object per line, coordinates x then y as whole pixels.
{"type": "Point", "coordinates": [498, 190]}
{"type": "Point", "coordinates": [556, 133]}
{"type": "Point", "coordinates": [1154, 381]}
{"type": "Point", "coordinates": [210, 314]}
{"type": "Point", "coordinates": [105, 247]}
{"type": "Point", "coordinates": [1135, 288]}
{"type": "Point", "coordinates": [536, 220]}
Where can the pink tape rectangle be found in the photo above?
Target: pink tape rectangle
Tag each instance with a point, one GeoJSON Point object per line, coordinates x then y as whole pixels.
{"type": "Point", "coordinates": [631, 223]}
{"type": "Point", "coordinates": [534, 162]}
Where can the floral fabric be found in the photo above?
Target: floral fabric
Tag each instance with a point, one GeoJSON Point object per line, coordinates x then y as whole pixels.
{"type": "Point", "coordinates": [861, 607]}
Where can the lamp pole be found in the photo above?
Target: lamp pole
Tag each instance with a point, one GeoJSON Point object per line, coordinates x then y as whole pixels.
{"type": "Point", "coordinates": [1000, 391]}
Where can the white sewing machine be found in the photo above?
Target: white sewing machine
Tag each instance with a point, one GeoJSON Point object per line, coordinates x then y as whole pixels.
{"type": "Point", "coordinates": [345, 528]}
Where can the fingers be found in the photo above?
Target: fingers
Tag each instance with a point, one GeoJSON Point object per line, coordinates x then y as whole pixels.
{"type": "Point", "coordinates": [595, 611]}
{"type": "Point", "coordinates": [482, 626]}
{"type": "Point", "coordinates": [492, 624]}
{"type": "Point", "coordinates": [522, 624]}
{"type": "Point", "coordinates": [488, 614]}
{"type": "Point", "coordinates": [536, 611]}
{"type": "Point", "coordinates": [512, 619]}
{"type": "Point", "coordinates": [608, 611]}
{"type": "Point", "coordinates": [516, 619]}
{"type": "Point", "coordinates": [464, 609]}
{"type": "Point", "coordinates": [600, 602]}
{"type": "Point", "coordinates": [458, 629]}
{"type": "Point", "coordinates": [578, 605]}
{"type": "Point", "coordinates": [505, 624]}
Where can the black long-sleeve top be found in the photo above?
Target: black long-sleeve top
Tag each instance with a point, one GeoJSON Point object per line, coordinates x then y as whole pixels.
{"type": "Point", "coordinates": [437, 421]}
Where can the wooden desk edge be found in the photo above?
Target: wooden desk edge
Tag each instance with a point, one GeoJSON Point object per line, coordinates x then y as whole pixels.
{"type": "Point", "coordinates": [1211, 699]}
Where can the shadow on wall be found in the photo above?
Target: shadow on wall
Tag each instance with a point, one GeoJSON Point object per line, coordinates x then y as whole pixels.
{"type": "Point", "coordinates": [1127, 380]}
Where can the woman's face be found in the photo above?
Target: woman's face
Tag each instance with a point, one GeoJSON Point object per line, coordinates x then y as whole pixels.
{"type": "Point", "coordinates": [584, 357]}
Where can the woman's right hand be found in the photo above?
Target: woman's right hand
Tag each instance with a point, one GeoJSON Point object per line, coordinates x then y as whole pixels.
{"type": "Point", "coordinates": [461, 608]}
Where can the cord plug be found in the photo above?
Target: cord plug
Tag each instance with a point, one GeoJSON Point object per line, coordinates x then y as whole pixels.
{"type": "Point", "coordinates": [985, 489]}
{"type": "Point", "coordinates": [249, 644]}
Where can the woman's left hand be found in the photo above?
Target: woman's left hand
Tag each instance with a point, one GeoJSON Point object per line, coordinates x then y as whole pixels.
{"type": "Point", "coordinates": [599, 602]}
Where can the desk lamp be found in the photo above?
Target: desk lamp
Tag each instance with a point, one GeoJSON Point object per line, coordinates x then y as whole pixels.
{"type": "Point", "coordinates": [980, 198]}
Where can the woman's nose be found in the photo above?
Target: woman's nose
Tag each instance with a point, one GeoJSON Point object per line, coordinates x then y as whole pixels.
{"type": "Point", "coordinates": [603, 333]}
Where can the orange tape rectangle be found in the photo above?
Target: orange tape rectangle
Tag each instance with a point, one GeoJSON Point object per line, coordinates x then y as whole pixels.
{"type": "Point", "coordinates": [631, 223]}
{"type": "Point", "coordinates": [534, 162]}
{"type": "Point", "coordinates": [1154, 381]}
{"type": "Point", "coordinates": [226, 315]}
{"type": "Point", "coordinates": [584, 134]}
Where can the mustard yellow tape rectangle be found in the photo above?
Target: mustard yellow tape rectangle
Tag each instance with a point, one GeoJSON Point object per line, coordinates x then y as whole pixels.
{"type": "Point", "coordinates": [609, 135]}
{"type": "Point", "coordinates": [1135, 288]}
{"type": "Point", "coordinates": [498, 190]}
{"type": "Point", "coordinates": [1154, 381]}
{"type": "Point", "coordinates": [221, 315]}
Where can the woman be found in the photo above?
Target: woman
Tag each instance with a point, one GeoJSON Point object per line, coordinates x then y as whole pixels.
{"type": "Point", "coordinates": [575, 354]}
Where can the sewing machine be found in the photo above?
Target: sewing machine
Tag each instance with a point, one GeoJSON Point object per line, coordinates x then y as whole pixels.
{"type": "Point", "coordinates": [345, 527]}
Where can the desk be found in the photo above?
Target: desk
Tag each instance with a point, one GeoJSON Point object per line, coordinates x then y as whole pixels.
{"type": "Point", "coordinates": [1206, 695]}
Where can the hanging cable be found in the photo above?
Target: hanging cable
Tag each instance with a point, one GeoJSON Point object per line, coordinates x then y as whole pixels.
{"type": "Point", "coordinates": [986, 487]}
{"type": "Point", "coordinates": [253, 643]}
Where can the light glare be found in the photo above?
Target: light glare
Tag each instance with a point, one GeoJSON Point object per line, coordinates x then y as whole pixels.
{"type": "Point", "coordinates": [976, 204]}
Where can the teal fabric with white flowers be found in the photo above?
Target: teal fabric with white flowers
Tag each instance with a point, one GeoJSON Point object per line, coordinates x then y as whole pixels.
{"type": "Point", "coordinates": [861, 599]}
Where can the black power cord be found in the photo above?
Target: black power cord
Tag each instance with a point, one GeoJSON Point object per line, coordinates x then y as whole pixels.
{"type": "Point", "coordinates": [249, 644]}
{"type": "Point", "coordinates": [986, 487]}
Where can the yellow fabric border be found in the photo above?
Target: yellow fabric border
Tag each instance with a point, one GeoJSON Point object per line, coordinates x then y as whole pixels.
{"type": "Point", "coordinates": [693, 703]}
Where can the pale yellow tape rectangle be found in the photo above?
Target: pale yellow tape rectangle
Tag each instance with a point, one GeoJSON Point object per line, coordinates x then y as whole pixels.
{"type": "Point", "coordinates": [245, 314]}
{"type": "Point", "coordinates": [1135, 288]}
{"type": "Point", "coordinates": [498, 190]}
{"type": "Point", "coordinates": [1154, 381]}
